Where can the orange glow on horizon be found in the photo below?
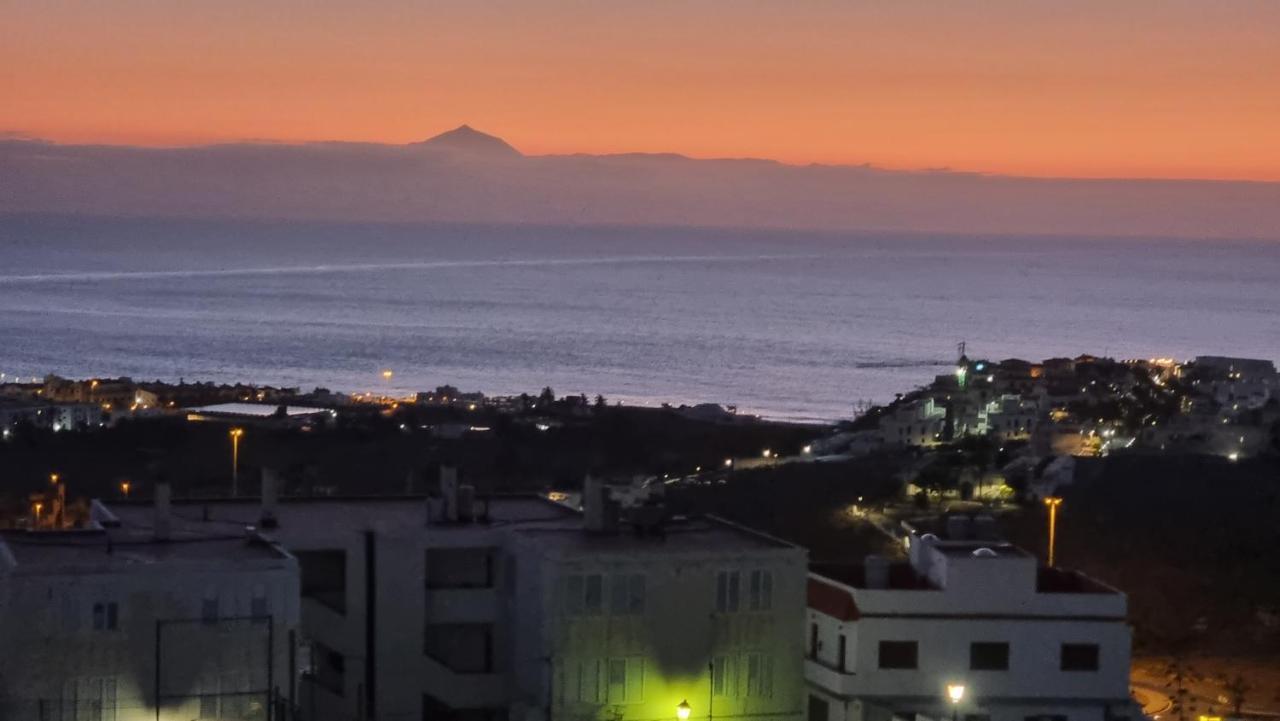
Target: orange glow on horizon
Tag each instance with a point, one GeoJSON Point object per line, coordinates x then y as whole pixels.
{"type": "Point", "coordinates": [1093, 89]}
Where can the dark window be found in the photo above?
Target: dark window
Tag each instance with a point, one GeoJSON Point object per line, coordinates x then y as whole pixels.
{"type": "Point", "coordinates": [1079, 657]}
{"type": "Point", "coordinates": [989, 656]}
{"type": "Point", "coordinates": [462, 647]}
{"type": "Point", "coordinates": [813, 640]}
{"type": "Point", "coordinates": [819, 710]}
{"type": "Point", "coordinates": [844, 649]}
{"type": "Point", "coordinates": [433, 709]}
{"type": "Point", "coordinates": [324, 577]}
{"type": "Point", "coordinates": [898, 654]}
{"type": "Point", "coordinates": [106, 616]}
{"type": "Point", "coordinates": [328, 668]}
{"type": "Point", "coordinates": [460, 567]}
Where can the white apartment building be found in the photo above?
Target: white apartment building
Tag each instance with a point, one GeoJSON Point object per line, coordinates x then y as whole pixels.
{"type": "Point", "coordinates": [620, 623]}
{"type": "Point", "coordinates": [135, 624]}
{"type": "Point", "coordinates": [1025, 643]}
{"type": "Point", "coordinates": [918, 423]}
{"type": "Point", "coordinates": [458, 607]}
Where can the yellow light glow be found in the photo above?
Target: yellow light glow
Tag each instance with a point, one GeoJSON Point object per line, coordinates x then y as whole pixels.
{"type": "Point", "coordinates": [683, 710]}
{"type": "Point", "coordinates": [387, 375]}
{"type": "Point", "coordinates": [955, 692]}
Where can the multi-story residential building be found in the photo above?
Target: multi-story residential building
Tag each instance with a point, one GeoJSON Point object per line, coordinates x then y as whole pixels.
{"type": "Point", "coordinates": [145, 623]}
{"type": "Point", "coordinates": [915, 423]}
{"type": "Point", "coordinates": [970, 628]}
{"type": "Point", "coordinates": [460, 607]}
{"type": "Point", "coordinates": [633, 625]}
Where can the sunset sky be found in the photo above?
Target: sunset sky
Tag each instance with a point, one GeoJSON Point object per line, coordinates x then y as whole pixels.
{"type": "Point", "coordinates": [1145, 88]}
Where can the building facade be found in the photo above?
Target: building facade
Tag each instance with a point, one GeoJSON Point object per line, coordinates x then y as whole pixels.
{"type": "Point", "coordinates": [967, 618]}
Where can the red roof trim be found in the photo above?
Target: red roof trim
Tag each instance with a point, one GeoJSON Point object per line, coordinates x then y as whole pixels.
{"type": "Point", "coordinates": [833, 601]}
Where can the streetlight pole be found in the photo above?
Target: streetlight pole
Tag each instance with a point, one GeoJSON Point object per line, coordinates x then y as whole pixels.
{"type": "Point", "coordinates": [235, 433]}
{"type": "Point", "coordinates": [1052, 502]}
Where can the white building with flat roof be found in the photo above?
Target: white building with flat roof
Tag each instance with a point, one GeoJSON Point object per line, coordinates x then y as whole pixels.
{"type": "Point", "coordinates": [1023, 642]}
{"type": "Point", "coordinates": [137, 624]}
{"type": "Point", "coordinates": [631, 623]}
{"type": "Point", "coordinates": [461, 607]}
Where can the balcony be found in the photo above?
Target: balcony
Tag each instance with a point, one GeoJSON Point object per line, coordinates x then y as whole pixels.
{"type": "Point", "coordinates": [835, 681]}
{"type": "Point", "coordinates": [461, 690]}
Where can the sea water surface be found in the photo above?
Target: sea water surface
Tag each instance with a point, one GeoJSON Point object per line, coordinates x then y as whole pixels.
{"type": "Point", "coordinates": [792, 325]}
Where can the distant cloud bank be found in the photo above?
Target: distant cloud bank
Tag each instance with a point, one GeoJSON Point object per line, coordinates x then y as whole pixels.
{"type": "Point", "coordinates": [468, 176]}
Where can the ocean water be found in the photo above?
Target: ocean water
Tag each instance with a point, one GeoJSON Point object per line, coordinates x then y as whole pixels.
{"type": "Point", "coordinates": [785, 324]}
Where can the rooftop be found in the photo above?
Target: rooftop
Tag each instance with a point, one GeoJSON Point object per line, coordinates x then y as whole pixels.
{"type": "Point", "coordinates": [121, 548]}
{"type": "Point", "coordinates": [339, 512]}
{"type": "Point", "coordinates": [680, 535]}
{"type": "Point", "coordinates": [902, 577]}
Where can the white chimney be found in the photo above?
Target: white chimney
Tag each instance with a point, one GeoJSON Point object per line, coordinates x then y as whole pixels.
{"type": "Point", "coordinates": [270, 498]}
{"type": "Point", "coordinates": [163, 522]}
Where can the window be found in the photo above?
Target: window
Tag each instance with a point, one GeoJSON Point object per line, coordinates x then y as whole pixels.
{"type": "Point", "coordinates": [722, 678]}
{"type": "Point", "coordinates": [584, 595]}
{"type": "Point", "coordinates": [460, 567]}
{"type": "Point", "coordinates": [462, 647]}
{"type": "Point", "coordinates": [433, 709]}
{"type": "Point", "coordinates": [584, 681]}
{"type": "Point", "coordinates": [989, 656]}
{"type": "Point", "coordinates": [258, 607]}
{"type": "Point", "coordinates": [627, 597]}
{"type": "Point", "coordinates": [760, 591]}
{"type": "Point", "coordinates": [90, 698]}
{"type": "Point", "coordinates": [844, 652]}
{"type": "Point", "coordinates": [328, 668]}
{"type": "Point", "coordinates": [759, 674]}
{"type": "Point", "coordinates": [819, 709]}
{"type": "Point", "coordinates": [898, 654]}
{"type": "Point", "coordinates": [106, 616]}
{"type": "Point", "coordinates": [727, 584]}
{"type": "Point", "coordinates": [1079, 657]}
{"type": "Point", "coordinates": [324, 577]}
{"type": "Point", "coordinates": [813, 641]}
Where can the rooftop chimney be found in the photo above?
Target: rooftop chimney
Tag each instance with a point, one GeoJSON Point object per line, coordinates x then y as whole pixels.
{"type": "Point", "coordinates": [270, 499]}
{"type": "Point", "coordinates": [163, 522]}
{"type": "Point", "coordinates": [449, 492]}
{"type": "Point", "coordinates": [877, 572]}
{"type": "Point", "coordinates": [598, 507]}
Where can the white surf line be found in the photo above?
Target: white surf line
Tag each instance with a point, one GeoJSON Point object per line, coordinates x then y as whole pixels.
{"type": "Point", "coordinates": [93, 276]}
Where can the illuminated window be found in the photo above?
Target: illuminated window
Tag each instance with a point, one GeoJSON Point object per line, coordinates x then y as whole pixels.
{"type": "Point", "coordinates": [759, 674]}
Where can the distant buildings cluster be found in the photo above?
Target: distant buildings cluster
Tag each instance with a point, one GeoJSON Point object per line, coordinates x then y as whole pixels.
{"type": "Point", "coordinates": [1087, 406]}
{"type": "Point", "coordinates": [470, 607]}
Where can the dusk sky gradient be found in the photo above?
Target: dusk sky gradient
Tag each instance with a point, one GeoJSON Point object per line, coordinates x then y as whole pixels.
{"type": "Point", "coordinates": [1144, 88]}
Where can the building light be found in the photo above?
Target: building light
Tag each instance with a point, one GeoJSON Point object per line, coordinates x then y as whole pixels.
{"type": "Point", "coordinates": [955, 692]}
{"type": "Point", "coordinates": [683, 710]}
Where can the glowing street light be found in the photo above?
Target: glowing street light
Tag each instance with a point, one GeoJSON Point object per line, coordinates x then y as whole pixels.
{"type": "Point", "coordinates": [387, 375]}
{"type": "Point", "coordinates": [766, 453]}
{"type": "Point", "coordinates": [53, 479]}
{"type": "Point", "coordinates": [955, 693]}
{"type": "Point", "coordinates": [236, 434]}
{"type": "Point", "coordinates": [683, 710]}
{"type": "Point", "coordinates": [1052, 502]}
{"type": "Point", "coordinates": [124, 488]}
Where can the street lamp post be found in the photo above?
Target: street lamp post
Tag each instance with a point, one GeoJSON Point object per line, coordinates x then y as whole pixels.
{"type": "Point", "coordinates": [1052, 502]}
{"type": "Point", "coordinates": [683, 710]}
{"type": "Point", "coordinates": [236, 434]}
